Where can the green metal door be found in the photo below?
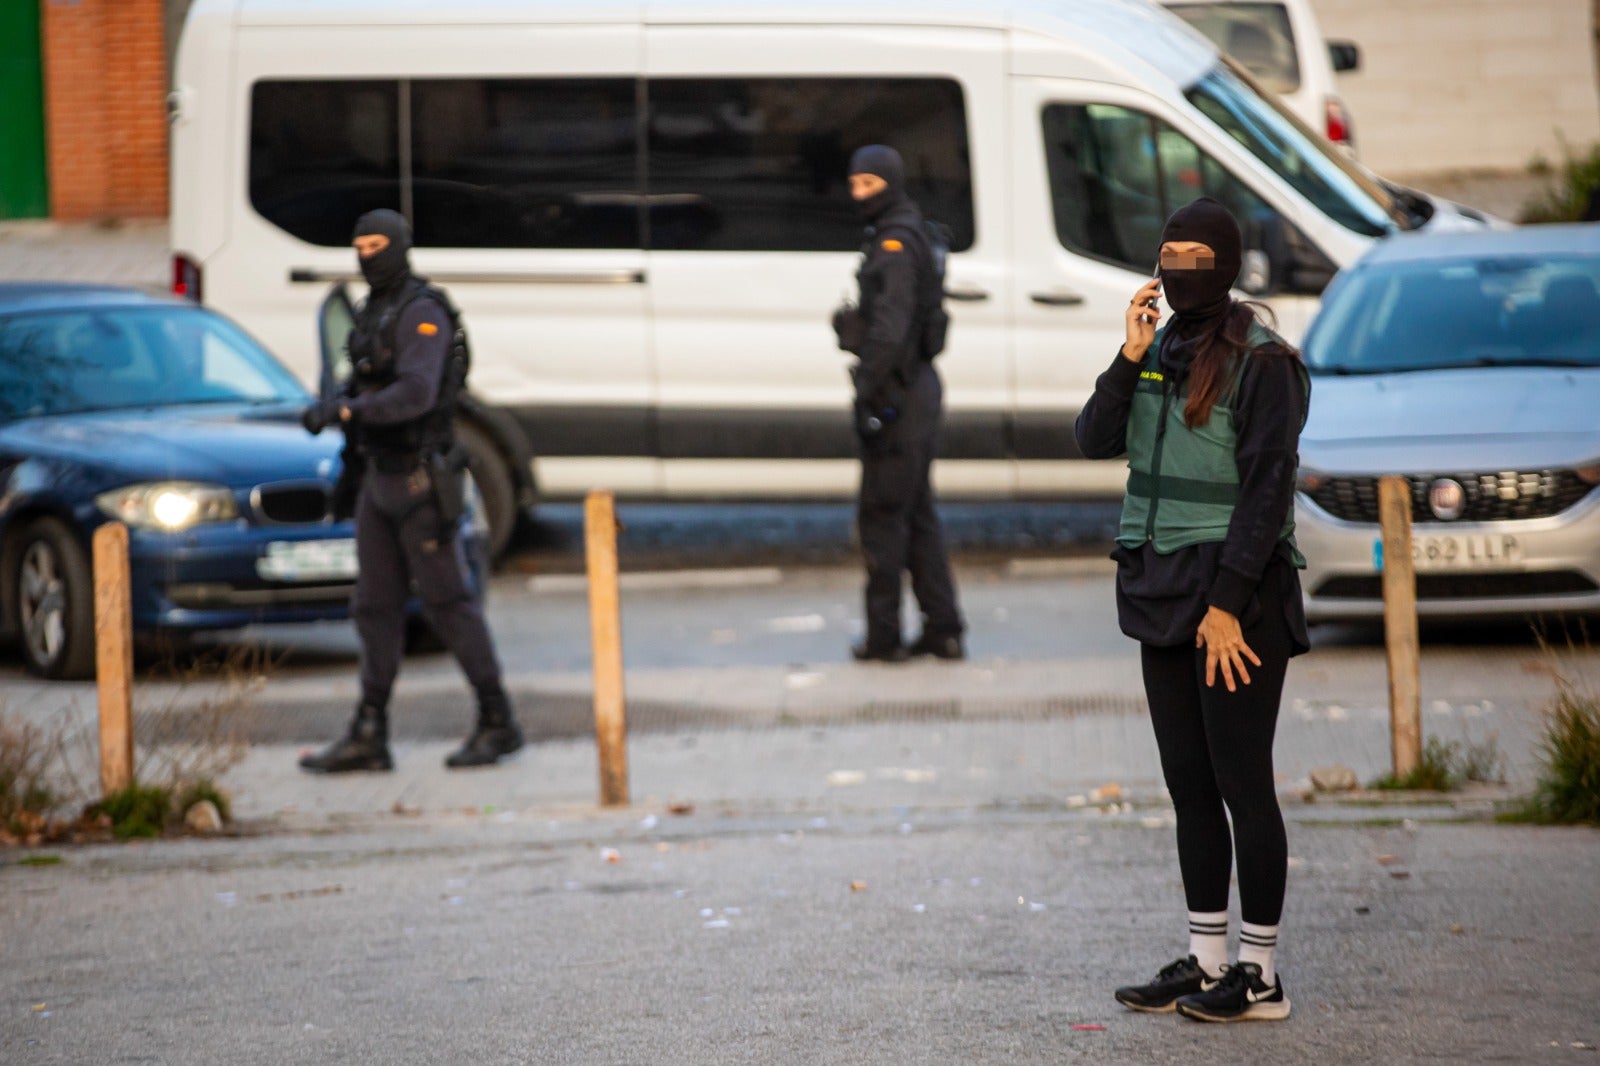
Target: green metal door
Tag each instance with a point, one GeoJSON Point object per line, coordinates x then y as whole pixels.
{"type": "Point", "coordinates": [24, 190]}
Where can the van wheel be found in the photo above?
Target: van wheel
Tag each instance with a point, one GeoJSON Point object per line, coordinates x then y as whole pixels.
{"type": "Point", "coordinates": [495, 487]}
{"type": "Point", "coordinates": [53, 590]}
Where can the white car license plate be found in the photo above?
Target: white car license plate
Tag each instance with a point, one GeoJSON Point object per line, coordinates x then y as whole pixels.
{"type": "Point", "coordinates": [1478, 551]}
{"type": "Point", "coordinates": [309, 560]}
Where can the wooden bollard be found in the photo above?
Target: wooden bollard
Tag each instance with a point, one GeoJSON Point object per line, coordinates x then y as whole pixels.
{"type": "Point", "coordinates": [1400, 624]}
{"type": "Point", "coordinates": [113, 643]}
{"type": "Point", "coordinates": [605, 624]}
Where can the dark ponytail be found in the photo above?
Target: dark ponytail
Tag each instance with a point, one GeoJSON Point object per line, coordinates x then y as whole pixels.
{"type": "Point", "coordinates": [1216, 355]}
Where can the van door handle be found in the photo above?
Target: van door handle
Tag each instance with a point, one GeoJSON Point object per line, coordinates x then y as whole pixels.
{"type": "Point", "coordinates": [1058, 298]}
{"type": "Point", "coordinates": [969, 294]}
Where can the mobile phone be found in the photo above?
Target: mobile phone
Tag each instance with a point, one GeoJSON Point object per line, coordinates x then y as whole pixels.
{"type": "Point", "coordinates": [1156, 276]}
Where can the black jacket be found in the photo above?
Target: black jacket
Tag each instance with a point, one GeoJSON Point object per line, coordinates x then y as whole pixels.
{"type": "Point", "coordinates": [892, 275]}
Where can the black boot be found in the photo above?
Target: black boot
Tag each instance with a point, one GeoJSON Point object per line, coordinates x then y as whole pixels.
{"type": "Point", "coordinates": [365, 747]}
{"type": "Point", "coordinates": [940, 647]}
{"type": "Point", "coordinates": [495, 735]}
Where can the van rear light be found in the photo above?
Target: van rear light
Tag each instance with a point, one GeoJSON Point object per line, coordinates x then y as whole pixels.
{"type": "Point", "coordinates": [185, 278]}
{"type": "Point", "coordinates": [1338, 122]}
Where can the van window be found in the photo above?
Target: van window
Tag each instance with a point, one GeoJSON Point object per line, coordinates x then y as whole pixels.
{"type": "Point", "coordinates": [322, 153]}
{"type": "Point", "coordinates": [759, 164]}
{"type": "Point", "coordinates": [1257, 35]}
{"type": "Point", "coordinates": [1309, 164]}
{"type": "Point", "coordinates": [498, 163]}
{"type": "Point", "coordinates": [1117, 174]}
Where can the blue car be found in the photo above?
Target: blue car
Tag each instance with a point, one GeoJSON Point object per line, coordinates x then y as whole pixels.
{"type": "Point", "coordinates": [168, 417]}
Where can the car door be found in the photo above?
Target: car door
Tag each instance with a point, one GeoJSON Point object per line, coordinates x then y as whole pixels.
{"type": "Point", "coordinates": [336, 316]}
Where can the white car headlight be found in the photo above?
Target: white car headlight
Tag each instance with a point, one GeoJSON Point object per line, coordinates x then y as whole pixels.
{"type": "Point", "coordinates": [168, 506]}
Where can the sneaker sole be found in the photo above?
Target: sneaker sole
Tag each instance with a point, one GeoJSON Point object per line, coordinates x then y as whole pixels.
{"type": "Point", "coordinates": [1255, 1012]}
{"type": "Point", "coordinates": [1142, 1008]}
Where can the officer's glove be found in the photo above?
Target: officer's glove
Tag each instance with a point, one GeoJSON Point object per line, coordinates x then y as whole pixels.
{"type": "Point", "coordinates": [314, 419]}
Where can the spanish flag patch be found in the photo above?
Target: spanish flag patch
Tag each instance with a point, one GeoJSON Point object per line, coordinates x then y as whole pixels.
{"type": "Point", "coordinates": [892, 245]}
{"type": "Point", "coordinates": [427, 329]}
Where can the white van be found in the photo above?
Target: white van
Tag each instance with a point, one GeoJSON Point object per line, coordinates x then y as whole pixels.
{"type": "Point", "coordinates": [1280, 43]}
{"type": "Point", "coordinates": [641, 208]}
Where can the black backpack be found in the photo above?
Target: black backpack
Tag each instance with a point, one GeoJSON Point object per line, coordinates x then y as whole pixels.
{"type": "Point", "coordinates": [936, 320]}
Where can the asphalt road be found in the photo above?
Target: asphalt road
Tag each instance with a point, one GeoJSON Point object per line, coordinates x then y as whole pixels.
{"type": "Point", "coordinates": [870, 936]}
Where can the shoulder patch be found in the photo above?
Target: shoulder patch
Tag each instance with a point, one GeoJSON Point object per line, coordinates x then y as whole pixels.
{"type": "Point", "coordinates": [892, 245]}
{"type": "Point", "coordinates": [427, 329]}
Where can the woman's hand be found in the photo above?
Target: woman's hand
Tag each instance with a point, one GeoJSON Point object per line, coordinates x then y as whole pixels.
{"type": "Point", "coordinates": [1223, 641]}
{"type": "Point", "coordinates": [1141, 332]}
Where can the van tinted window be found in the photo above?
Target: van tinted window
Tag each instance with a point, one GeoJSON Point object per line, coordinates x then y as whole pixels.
{"type": "Point", "coordinates": [733, 164]}
{"type": "Point", "coordinates": [525, 164]}
{"type": "Point", "coordinates": [1116, 174]}
{"type": "Point", "coordinates": [322, 153]}
{"type": "Point", "coordinates": [759, 164]}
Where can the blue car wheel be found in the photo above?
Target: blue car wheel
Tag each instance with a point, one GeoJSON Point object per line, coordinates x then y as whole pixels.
{"type": "Point", "coordinates": [54, 601]}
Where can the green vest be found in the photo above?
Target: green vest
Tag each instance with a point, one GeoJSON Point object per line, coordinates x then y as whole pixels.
{"type": "Point", "coordinates": [1183, 483]}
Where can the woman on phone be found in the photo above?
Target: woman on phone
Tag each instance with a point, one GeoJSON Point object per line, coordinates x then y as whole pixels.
{"type": "Point", "coordinates": [1208, 410]}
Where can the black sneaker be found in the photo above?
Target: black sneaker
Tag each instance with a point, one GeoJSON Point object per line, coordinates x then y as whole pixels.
{"type": "Point", "coordinates": [938, 647]}
{"type": "Point", "coordinates": [1241, 996]}
{"type": "Point", "coordinates": [1182, 978]}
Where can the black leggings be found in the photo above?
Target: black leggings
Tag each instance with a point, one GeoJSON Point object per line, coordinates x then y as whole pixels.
{"type": "Point", "coordinates": [1216, 752]}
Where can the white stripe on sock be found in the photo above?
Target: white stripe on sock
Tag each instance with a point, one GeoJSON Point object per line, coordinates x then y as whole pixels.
{"type": "Point", "coordinates": [1258, 944]}
{"type": "Point", "coordinates": [1208, 940]}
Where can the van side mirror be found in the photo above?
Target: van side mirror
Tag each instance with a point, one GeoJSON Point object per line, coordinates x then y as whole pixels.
{"type": "Point", "coordinates": [1255, 273]}
{"type": "Point", "coordinates": [1294, 264]}
{"type": "Point", "coordinates": [1346, 55]}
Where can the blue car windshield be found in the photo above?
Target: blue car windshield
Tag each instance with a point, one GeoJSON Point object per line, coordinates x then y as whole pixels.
{"type": "Point", "coordinates": [1311, 166]}
{"type": "Point", "coordinates": [1515, 310]}
{"type": "Point", "coordinates": [98, 359]}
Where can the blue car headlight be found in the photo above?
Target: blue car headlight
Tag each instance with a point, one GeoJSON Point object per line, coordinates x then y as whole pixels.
{"type": "Point", "coordinates": [168, 506]}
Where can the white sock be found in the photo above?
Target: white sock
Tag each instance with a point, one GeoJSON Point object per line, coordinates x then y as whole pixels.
{"type": "Point", "coordinates": [1257, 944]}
{"type": "Point", "coordinates": [1208, 940]}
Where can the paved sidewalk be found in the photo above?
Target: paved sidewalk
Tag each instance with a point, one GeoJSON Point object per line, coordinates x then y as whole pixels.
{"type": "Point", "coordinates": [127, 253]}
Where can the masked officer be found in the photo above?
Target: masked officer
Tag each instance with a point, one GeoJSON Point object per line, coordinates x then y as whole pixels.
{"type": "Point", "coordinates": [398, 415]}
{"type": "Point", "coordinates": [897, 408]}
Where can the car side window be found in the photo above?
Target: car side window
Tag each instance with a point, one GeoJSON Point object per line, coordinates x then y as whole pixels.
{"type": "Point", "coordinates": [1117, 174]}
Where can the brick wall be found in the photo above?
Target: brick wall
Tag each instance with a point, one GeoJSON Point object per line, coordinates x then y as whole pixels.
{"type": "Point", "coordinates": [105, 78]}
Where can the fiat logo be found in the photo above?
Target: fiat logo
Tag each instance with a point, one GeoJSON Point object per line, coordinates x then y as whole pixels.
{"type": "Point", "coordinates": [1447, 499]}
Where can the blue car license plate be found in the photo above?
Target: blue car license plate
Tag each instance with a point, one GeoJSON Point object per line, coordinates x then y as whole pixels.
{"type": "Point", "coordinates": [309, 560]}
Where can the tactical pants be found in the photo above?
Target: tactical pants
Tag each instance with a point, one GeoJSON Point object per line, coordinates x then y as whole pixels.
{"type": "Point", "coordinates": [898, 523]}
{"type": "Point", "coordinates": [399, 541]}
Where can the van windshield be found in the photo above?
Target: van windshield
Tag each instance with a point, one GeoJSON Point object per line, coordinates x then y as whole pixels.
{"type": "Point", "coordinates": [1337, 187]}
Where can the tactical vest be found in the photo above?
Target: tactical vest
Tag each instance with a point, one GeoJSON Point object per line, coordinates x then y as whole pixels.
{"type": "Point", "coordinates": [1183, 484]}
{"type": "Point", "coordinates": [373, 351]}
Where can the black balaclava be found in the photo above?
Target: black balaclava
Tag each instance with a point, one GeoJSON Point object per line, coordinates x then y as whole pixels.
{"type": "Point", "coordinates": [1199, 298]}
{"type": "Point", "coordinates": [886, 163]}
{"type": "Point", "coordinates": [389, 267]}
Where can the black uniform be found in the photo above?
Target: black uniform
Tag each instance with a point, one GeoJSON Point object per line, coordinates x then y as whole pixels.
{"type": "Point", "coordinates": [898, 405]}
{"type": "Point", "coordinates": [401, 400]}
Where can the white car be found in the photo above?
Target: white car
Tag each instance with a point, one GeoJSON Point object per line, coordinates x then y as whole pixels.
{"type": "Point", "coordinates": [1280, 44]}
{"type": "Point", "coordinates": [1469, 363]}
